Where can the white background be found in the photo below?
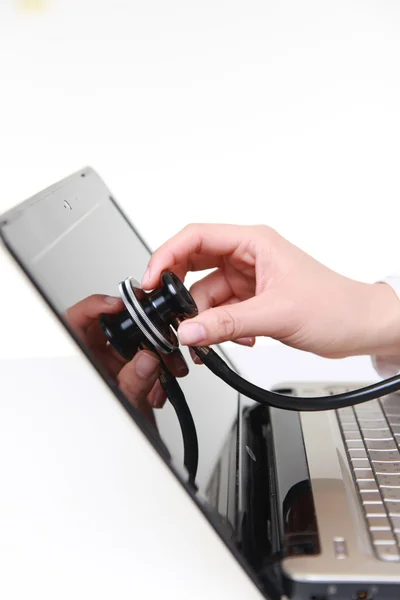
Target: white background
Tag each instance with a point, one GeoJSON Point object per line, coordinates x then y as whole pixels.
{"type": "Point", "coordinates": [284, 113]}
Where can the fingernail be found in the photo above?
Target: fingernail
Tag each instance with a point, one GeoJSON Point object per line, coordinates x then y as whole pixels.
{"type": "Point", "coordinates": [195, 358]}
{"type": "Point", "coordinates": [145, 277]}
{"type": "Point", "coordinates": [146, 365]}
{"type": "Point", "coordinates": [111, 300]}
{"type": "Point", "coordinates": [159, 398]}
{"type": "Point", "coordinates": [191, 333]}
{"type": "Point", "coordinates": [245, 341]}
{"type": "Point", "coordinates": [180, 365]}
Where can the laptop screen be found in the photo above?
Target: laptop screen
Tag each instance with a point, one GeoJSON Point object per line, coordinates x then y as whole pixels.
{"type": "Point", "coordinates": [75, 242]}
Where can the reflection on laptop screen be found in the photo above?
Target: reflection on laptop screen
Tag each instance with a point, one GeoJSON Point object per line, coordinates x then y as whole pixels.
{"type": "Point", "coordinates": [85, 246]}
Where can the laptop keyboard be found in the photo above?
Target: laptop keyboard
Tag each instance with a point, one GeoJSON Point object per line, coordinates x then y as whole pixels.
{"type": "Point", "coordinates": [371, 434]}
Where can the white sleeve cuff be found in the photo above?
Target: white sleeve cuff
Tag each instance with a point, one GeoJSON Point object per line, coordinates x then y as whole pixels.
{"type": "Point", "coordinates": [393, 281]}
{"type": "Point", "coordinates": [388, 366]}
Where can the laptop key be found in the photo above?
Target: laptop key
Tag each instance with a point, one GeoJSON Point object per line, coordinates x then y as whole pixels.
{"type": "Point", "coordinates": [368, 497]}
{"type": "Point", "coordinates": [389, 553]}
{"type": "Point", "coordinates": [347, 417]}
{"type": "Point", "coordinates": [388, 480]}
{"type": "Point", "coordinates": [362, 474]}
{"type": "Point", "coordinates": [387, 467]}
{"type": "Point", "coordinates": [360, 463]}
{"type": "Point", "coordinates": [352, 426]}
{"type": "Point", "coordinates": [383, 537]}
{"type": "Point", "coordinates": [368, 411]}
{"type": "Point", "coordinates": [390, 400]}
{"type": "Point", "coordinates": [390, 493]}
{"type": "Point", "coordinates": [377, 434]}
{"type": "Point", "coordinates": [367, 484]}
{"type": "Point", "coordinates": [355, 444]}
{"type": "Point", "coordinates": [348, 425]}
{"type": "Point", "coordinates": [358, 453]}
{"type": "Point", "coordinates": [372, 423]}
{"type": "Point", "coordinates": [381, 444]}
{"type": "Point", "coordinates": [384, 455]}
{"type": "Point", "coordinates": [352, 435]}
{"type": "Point", "coordinates": [395, 523]}
{"type": "Point", "coordinates": [368, 406]}
{"type": "Point", "coordinates": [379, 524]}
{"type": "Point", "coordinates": [372, 419]}
{"type": "Point", "coordinates": [375, 510]}
{"type": "Point", "coordinates": [390, 403]}
{"type": "Point", "coordinates": [393, 508]}
{"type": "Point", "coordinates": [345, 411]}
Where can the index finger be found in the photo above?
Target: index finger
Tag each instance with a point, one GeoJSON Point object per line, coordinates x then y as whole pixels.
{"type": "Point", "coordinates": [199, 243]}
{"type": "Point", "coordinates": [85, 312]}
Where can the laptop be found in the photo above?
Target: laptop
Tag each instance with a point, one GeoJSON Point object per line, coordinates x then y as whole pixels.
{"type": "Point", "coordinates": [308, 503]}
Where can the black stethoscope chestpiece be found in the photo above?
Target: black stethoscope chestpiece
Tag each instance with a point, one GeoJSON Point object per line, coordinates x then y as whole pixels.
{"type": "Point", "coordinates": [149, 317]}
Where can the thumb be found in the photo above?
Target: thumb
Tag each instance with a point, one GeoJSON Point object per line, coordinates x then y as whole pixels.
{"type": "Point", "coordinates": [222, 324]}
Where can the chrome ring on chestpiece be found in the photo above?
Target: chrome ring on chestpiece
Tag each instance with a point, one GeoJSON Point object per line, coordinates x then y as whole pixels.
{"type": "Point", "coordinates": [132, 296]}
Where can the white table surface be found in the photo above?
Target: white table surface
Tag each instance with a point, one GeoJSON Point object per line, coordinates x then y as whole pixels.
{"type": "Point", "coordinates": [80, 518]}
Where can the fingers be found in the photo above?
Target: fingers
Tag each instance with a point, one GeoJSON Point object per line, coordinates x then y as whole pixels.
{"type": "Point", "coordinates": [196, 359]}
{"type": "Point", "coordinates": [157, 396]}
{"type": "Point", "coordinates": [214, 290]}
{"type": "Point", "coordinates": [245, 341]}
{"type": "Point", "coordinates": [223, 323]}
{"type": "Point", "coordinates": [176, 363]}
{"type": "Point", "coordinates": [84, 313]}
{"type": "Point", "coordinates": [195, 262]}
{"type": "Point", "coordinates": [137, 378]}
{"type": "Point", "coordinates": [248, 341]}
{"type": "Point", "coordinates": [241, 341]}
{"type": "Point", "coordinates": [210, 240]}
{"type": "Point", "coordinates": [211, 291]}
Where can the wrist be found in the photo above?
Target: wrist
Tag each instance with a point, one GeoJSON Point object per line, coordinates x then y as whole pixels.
{"type": "Point", "coordinates": [382, 321]}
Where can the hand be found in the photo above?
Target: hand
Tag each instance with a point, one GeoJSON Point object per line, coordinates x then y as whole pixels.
{"type": "Point", "coordinates": [264, 285]}
{"type": "Point", "coordinates": [138, 378]}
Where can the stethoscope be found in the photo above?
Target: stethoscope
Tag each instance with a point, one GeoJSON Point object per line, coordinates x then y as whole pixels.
{"type": "Point", "coordinates": [151, 320]}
